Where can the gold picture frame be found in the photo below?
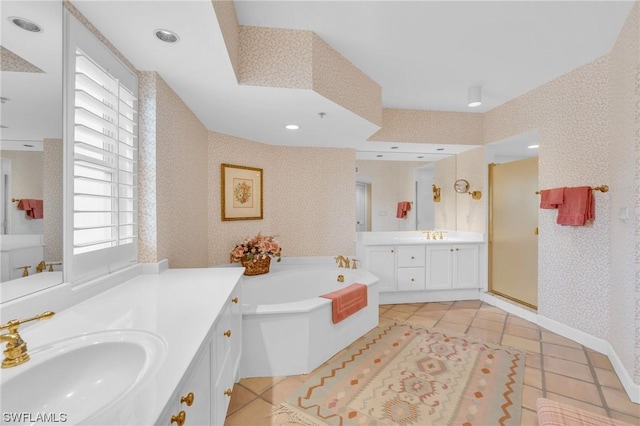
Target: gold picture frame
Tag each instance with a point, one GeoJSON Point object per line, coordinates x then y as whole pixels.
{"type": "Point", "coordinates": [241, 192]}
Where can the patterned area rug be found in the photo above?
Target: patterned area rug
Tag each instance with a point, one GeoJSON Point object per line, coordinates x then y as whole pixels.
{"type": "Point", "coordinates": [403, 374]}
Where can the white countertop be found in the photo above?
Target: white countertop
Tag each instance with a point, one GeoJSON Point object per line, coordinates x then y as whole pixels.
{"type": "Point", "coordinates": [180, 305]}
{"type": "Point", "coordinates": [419, 237]}
{"type": "Point", "coordinates": [10, 290]}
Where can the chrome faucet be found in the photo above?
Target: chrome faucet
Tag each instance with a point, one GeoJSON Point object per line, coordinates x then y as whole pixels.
{"type": "Point", "coordinates": [15, 352]}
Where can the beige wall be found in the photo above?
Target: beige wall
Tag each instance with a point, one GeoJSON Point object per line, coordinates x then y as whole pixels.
{"type": "Point", "coordinates": [471, 214]}
{"type": "Point", "coordinates": [437, 127]}
{"type": "Point", "coordinates": [445, 212]}
{"type": "Point", "coordinates": [587, 122]}
{"type": "Point", "coordinates": [53, 197]}
{"type": "Point", "coordinates": [309, 198]}
{"type": "Point", "coordinates": [624, 163]}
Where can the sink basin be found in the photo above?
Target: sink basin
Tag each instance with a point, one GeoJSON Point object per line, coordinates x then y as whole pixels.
{"type": "Point", "coordinates": [82, 377]}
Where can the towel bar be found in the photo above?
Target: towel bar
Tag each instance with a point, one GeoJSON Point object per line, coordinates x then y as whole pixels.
{"type": "Point", "coordinates": [601, 188]}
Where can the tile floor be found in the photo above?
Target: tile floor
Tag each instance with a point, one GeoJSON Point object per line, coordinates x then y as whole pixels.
{"type": "Point", "coordinates": [556, 368]}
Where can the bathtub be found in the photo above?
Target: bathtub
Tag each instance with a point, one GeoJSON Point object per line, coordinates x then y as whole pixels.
{"type": "Point", "coordinates": [287, 328]}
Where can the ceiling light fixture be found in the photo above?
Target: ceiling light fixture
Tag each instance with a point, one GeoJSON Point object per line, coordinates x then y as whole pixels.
{"type": "Point", "coordinates": [533, 146]}
{"type": "Point", "coordinates": [26, 24]}
{"type": "Point", "coordinates": [292, 127]}
{"type": "Point", "coordinates": [474, 96]}
{"type": "Point", "coordinates": [167, 36]}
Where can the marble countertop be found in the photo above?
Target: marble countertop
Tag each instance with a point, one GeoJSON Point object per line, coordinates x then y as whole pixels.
{"type": "Point", "coordinates": [179, 305]}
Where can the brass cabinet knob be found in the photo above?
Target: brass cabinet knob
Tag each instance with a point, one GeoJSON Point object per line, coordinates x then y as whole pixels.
{"type": "Point", "coordinates": [179, 419]}
{"type": "Point", "coordinates": [187, 399]}
{"type": "Point", "coordinates": [227, 333]}
{"type": "Point", "coordinates": [227, 392]}
{"type": "Point", "coordinates": [234, 300]}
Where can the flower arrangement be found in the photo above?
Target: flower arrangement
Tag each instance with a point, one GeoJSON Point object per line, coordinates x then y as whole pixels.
{"type": "Point", "coordinates": [258, 247]}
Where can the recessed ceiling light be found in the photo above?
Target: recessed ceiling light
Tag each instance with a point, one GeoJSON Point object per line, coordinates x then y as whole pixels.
{"type": "Point", "coordinates": [379, 155]}
{"type": "Point", "coordinates": [474, 96]}
{"type": "Point", "coordinates": [28, 145]}
{"type": "Point", "coordinates": [26, 24]}
{"type": "Point", "coordinates": [394, 147]}
{"type": "Point", "coordinates": [167, 36]}
{"type": "Point", "coordinates": [439, 149]}
{"type": "Point", "coordinates": [420, 156]}
{"type": "Point", "coordinates": [533, 146]}
{"type": "Point", "coordinates": [292, 127]}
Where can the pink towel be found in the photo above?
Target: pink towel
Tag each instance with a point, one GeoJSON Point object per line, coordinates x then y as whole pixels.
{"type": "Point", "coordinates": [578, 207]}
{"type": "Point", "coordinates": [33, 208]}
{"type": "Point", "coordinates": [403, 208]}
{"type": "Point", "coordinates": [347, 301]}
{"type": "Point", "coordinates": [551, 198]}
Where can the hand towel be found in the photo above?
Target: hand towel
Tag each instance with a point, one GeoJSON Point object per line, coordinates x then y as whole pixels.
{"type": "Point", "coordinates": [551, 198]}
{"type": "Point", "coordinates": [403, 208]}
{"type": "Point", "coordinates": [347, 301]}
{"type": "Point", "coordinates": [33, 208]}
{"type": "Point", "coordinates": [578, 208]}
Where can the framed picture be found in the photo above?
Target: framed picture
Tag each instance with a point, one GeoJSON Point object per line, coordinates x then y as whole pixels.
{"type": "Point", "coordinates": [241, 192]}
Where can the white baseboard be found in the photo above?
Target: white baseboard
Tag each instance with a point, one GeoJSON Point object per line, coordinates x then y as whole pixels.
{"type": "Point", "coordinates": [586, 339]}
{"type": "Point", "coordinates": [390, 297]}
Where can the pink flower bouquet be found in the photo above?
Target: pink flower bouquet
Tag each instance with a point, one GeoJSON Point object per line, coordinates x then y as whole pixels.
{"type": "Point", "coordinates": [258, 247]}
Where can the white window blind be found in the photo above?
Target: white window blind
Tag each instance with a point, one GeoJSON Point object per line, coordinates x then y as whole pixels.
{"type": "Point", "coordinates": [101, 146]}
{"type": "Point", "coordinates": [104, 166]}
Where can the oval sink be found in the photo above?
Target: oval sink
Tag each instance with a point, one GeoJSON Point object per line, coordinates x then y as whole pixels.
{"type": "Point", "coordinates": [83, 376]}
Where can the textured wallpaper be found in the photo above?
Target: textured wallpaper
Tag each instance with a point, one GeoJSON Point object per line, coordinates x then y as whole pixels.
{"type": "Point", "coordinates": [274, 57]}
{"type": "Point", "coordinates": [446, 210]}
{"type": "Point", "coordinates": [571, 114]}
{"type": "Point", "coordinates": [181, 181]}
{"type": "Point", "coordinates": [309, 198]}
{"type": "Point", "coordinates": [228, 23]}
{"type": "Point", "coordinates": [471, 214]}
{"type": "Point", "coordinates": [9, 61]}
{"type": "Point", "coordinates": [147, 214]}
{"type": "Point", "coordinates": [624, 311]}
{"type": "Point", "coordinates": [438, 127]}
{"type": "Point", "coordinates": [53, 197]}
{"type": "Point", "coordinates": [337, 79]}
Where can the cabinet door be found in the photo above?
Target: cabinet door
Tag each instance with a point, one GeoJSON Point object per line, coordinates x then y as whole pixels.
{"type": "Point", "coordinates": [411, 279]}
{"type": "Point", "coordinates": [465, 266]}
{"type": "Point", "coordinates": [381, 263]}
{"type": "Point", "coordinates": [410, 256]}
{"type": "Point", "coordinates": [198, 383]}
{"type": "Point", "coordinates": [439, 270]}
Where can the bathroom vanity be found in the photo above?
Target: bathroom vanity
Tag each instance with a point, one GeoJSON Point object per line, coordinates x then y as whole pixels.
{"type": "Point", "coordinates": [160, 348]}
{"type": "Point", "coordinates": [413, 269]}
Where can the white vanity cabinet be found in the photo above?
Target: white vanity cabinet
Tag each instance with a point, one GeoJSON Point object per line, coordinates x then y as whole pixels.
{"type": "Point", "coordinates": [202, 398]}
{"type": "Point", "coordinates": [227, 346]}
{"type": "Point", "coordinates": [410, 272]}
{"type": "Point", "coordinates": [413, 269]}
{"type": "Point", "coordinates": [452, 266]}
{"type": "Point", "coordinates": [381, 262]}
{"type": "Point", "coordinates": [191, 403]}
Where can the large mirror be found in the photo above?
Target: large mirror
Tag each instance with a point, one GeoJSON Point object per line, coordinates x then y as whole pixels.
{"type": "Point", "coordinates": [31, 146]}
{"type": "Point", "coordinates": [382, 183]}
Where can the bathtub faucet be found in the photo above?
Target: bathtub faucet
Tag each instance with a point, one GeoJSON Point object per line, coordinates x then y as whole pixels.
{"type": "Point", "coordinates": [343, 262]}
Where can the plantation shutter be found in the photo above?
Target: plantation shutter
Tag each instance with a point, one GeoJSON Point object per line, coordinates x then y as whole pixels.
{"type": "Point", "coordinates": [104, 159]}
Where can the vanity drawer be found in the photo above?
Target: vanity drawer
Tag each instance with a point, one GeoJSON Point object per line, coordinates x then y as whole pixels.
{"type": "Point", "coordinates": [410, 279]}
{"type": "Point", "coordinates": [410, 256]}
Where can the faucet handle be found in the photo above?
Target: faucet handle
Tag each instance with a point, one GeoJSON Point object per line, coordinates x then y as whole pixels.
{"type": "Point", "coordinates": [13, 324]}
{"type": "Point", "coordinates": [355, 264]}
{"type": "Point", "coordinates": [25, 272]}
{"type": "Point", "coordinates": [427, 234]}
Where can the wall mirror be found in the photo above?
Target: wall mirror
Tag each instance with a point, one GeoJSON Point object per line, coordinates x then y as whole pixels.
{"type": "Point", "coordinates": [382, 182]}
{"type": "Point", "coordinates": [31, 145]}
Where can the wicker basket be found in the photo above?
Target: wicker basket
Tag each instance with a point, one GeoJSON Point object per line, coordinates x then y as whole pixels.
{"type": "Point", "coordinates": [256, 266]}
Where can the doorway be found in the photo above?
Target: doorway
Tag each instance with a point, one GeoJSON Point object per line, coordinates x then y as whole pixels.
{"type": "Point", "coordinates": [513, 231]}
{"type": "Point", "coordinates": [362, 207]}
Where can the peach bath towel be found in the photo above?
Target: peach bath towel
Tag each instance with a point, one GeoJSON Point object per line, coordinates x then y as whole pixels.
{"type": "Point", "coordinates": [347, 301]}
{"type": "Point", "coordinates": [578, 208]}
{"type": "Point", "coordinates": [34, 208]}
{"type": "Point", "coordinates": [403, 208]}
{"type": "Point", "coordinates": [551, 198]}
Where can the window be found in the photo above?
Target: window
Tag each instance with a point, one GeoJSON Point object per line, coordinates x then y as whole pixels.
{"type": "Point", "coordinates": [101, 158]}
